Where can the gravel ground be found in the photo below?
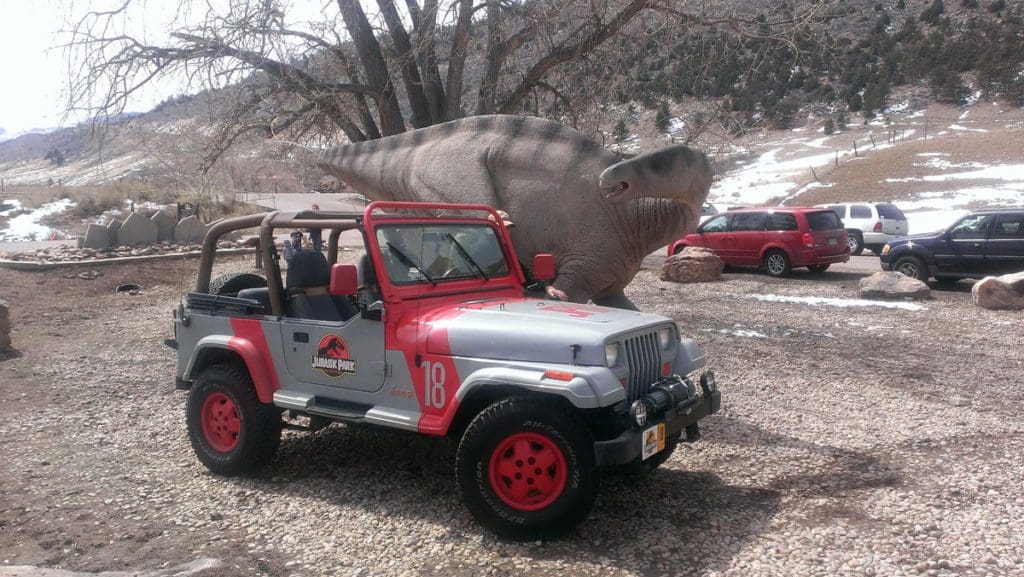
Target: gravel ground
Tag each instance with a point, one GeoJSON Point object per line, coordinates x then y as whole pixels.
{"type": "Point", "coordinates": [852, 441]}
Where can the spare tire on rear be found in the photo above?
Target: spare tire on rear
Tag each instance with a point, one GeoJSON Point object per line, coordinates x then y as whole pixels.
{"type": "Point", "coordinates": [229, 284]}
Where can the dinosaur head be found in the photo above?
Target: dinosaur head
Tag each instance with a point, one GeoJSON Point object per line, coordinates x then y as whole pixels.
{"type": "Point", "coordinates": [675, 172]}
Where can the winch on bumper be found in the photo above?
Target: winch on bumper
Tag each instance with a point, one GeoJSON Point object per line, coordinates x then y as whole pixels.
{"type": "Point", "coordinates": [672, 405]}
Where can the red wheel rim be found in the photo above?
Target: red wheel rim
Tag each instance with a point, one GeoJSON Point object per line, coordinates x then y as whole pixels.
{"type": "Point", "coordinates": [527, 471]}
{"type": "Point", "coordinates": [220, 421]}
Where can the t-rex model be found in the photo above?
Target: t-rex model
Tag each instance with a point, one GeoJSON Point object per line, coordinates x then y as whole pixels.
{"type": "Point", "coordinates": [597, 214]}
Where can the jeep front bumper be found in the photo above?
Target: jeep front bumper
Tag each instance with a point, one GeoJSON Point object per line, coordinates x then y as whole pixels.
{"type": "Point", "coordinates": [671, 414]}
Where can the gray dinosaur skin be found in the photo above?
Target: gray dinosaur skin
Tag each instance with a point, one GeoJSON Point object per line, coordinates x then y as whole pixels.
{"type": "Point", "coordinates": [597, 214]}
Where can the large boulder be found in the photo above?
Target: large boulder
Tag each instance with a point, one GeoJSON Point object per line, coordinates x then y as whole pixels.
{"type": "Point", "coordinates": [97, 236]}
{"type": "Point", "coordinates": [1000, 292]}
{"type": "Point", "coordinates": [893, 286]}
{"type": "Point", "coordinates": [189, 229]}
{"type": "Point", "coordinates": [5, 326]}
{"type": "Point", "coordinates": [693, 264]}
{"type": "Point", "coordinates": [137, 229]}
{"type": "Point", "coordinates": [165, 225]}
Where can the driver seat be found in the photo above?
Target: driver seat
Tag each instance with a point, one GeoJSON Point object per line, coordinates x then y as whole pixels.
{"type": "Point", "coordinates": [307, 288]}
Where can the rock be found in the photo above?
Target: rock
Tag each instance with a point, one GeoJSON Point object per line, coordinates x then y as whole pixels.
{"type": "Point", "coordinates": [137, 229]}
{"type": "Point", "coordinates": [1000, 292]}
{"type": "Point", "coordinates": [97, 236]}
{"type": "Point", "coordinates": [693, 264]}
{"type": "Point", "coordinates": [189, 229]}
{"type": "Point", "coordinates": [165, 225]}
{"type": "Point", "coordinates": [5, 326]}
{"type": "Point", "coordinates": [892, 286]}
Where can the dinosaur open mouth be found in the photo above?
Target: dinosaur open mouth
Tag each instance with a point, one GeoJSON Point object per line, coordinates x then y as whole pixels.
{"type": "Point", "coordinates": [617, 190]}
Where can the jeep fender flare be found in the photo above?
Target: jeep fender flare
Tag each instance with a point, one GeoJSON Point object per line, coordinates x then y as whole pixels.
{"type": "Point", "coordinates": [689, 357]}
{"type": "Point", "coordinates": [260, 367]}
{"type": "Point", "coordinates": [590, 388]}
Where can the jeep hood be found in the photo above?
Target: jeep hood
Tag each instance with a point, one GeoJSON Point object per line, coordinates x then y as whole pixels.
{"type": "Point", "coordinates": [531, 330]}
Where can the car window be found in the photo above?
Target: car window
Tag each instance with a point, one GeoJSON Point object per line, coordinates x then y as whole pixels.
{"type": "Point", "coordinates": [860, 211]}
{"type": "Point", "coordinates": [886, 210]}
{"type": "Point", "coordinates": [747, 222]}
{"type": "Point", "coordinates": [716, 224]}
{"type": "Point", "coordinates": [974, 226]}
{"type": "Point", "coordinates": [839, 209]}
{"type": "Point", "coordinates": [1009, 226]}
{"type": "Point", "coordinates": [443, 252]}
{"type": "Point", "coordinates": [781, 221]}
{"type": "Point", "coordinates": [823, 220]}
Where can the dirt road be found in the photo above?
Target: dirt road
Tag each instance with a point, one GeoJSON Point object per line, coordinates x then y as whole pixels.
{"type": "Point", "coordinates": [854, 440]}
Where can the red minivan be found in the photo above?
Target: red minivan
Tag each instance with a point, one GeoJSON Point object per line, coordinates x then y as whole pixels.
{"type": "Point", "coordinates": [775, 239]}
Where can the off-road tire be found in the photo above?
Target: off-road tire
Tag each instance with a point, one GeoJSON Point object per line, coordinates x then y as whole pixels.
{"type": "Point", "coordinates": [777, 263]}
{"type": "Point", "coordinates": [818, 268]}
{"type": "Point", "coordinates": [644, 468]}
{"type": "Point", "coordinates": [229, 284]}
{"type": "Point", "coordinates": [231, 431]}
{"type": "Point", "coordinates": [911, 266]}
{"type": "Point", "coordinates": [855, 242]}
{"type": "Point", "coordinates": [499, 444]}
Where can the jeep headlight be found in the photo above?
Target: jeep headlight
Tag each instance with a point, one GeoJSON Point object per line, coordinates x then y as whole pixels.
{"type": "Point", "coordinates": [665, 338]}
{"type": "Point", "coordinates": [611, 354]}
{"type": "Point", "coordinates": [885, 249]}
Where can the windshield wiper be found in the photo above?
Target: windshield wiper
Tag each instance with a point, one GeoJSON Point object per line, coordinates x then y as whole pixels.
{"type": "Point", "coordinates": [465, 255]}
{"type": "Point", "coordinates": [407, 261]}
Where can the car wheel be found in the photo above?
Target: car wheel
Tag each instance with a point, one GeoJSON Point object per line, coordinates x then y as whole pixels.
{"type": "Point", "coordinates": [680, 249]}
{"type": "Point", "coordinates": [643, 468]}
{"type": "Point", "coordinates": [855, 241]}
{"type": "Point", "coordinates": [230, 284]}
{"type": "Point", "coordinates": [913, 267]}
{"type": "Point", "coordinates": [776, 263]}
{"type": "Point", "coordinates": [526, 469]}
{"type": "Point", "coordinates": [875, 249]}
{"type": "Point", "coordinates": [231, 431]}
{"type": "Point", "coordinates": [818, 268]}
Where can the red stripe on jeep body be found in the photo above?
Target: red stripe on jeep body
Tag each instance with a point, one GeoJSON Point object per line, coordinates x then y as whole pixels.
{"type": "Point", "coordinates": [251, 344]}
{"type": "Point", "coordinates": [416, 330]}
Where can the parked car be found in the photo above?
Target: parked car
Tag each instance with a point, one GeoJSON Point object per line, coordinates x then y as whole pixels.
{"type": "Point", "coordinates": [776, 239]}
{"type": "Point", "coordinates": [870, 224]}
{"type": "Point", "coordinates": [985, 242]}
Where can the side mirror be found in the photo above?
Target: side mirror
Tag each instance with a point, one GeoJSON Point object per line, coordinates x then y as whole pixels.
{"type": "Point", "coordinates": [544, 267]}
{"type": "Point", "coordinates": [344, 280]}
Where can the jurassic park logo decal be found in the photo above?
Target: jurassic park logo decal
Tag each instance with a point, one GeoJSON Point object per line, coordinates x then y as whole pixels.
{"type": "Point", "coordinates": [332, 357]}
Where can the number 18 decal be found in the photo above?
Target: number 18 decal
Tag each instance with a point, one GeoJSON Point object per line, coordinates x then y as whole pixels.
{"type": "Point", "coordinates": [434, 378]}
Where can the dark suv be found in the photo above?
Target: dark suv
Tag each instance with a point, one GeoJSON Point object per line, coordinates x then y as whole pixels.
{"type": "Point", "coordinates": [985, 242]}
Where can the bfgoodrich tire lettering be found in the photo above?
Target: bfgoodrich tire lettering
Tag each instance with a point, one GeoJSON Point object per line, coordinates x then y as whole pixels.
{"type": "Point", "coordinates": [513, 428]}
{"type": "Point", "coordinates": [231, 431]}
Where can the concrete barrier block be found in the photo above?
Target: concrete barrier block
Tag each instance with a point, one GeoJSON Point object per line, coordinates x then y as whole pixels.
{"type": "Point", "coordinates": [165, 224]}
{"type": "Point", "coordinates": [189, 230]}
{"type": "Point", "coordinates": [137, 229]}
{"type": "Point", "coordinates": [97, 236]}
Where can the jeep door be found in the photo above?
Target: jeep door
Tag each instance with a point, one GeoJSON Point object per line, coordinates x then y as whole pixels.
{"type": "Point", "coordinates": [1004, 249]}
{"type": "Point", "coordinates": [348, 354]}
{"type": "Point", "coordinates": [963, 251]}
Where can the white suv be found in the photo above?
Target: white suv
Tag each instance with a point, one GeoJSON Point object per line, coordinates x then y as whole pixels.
{"type": "Point", "coordinates": [870, 224]}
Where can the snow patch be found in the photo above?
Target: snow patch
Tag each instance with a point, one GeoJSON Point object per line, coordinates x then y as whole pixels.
{"type": "Point", "coordinates": [832, 302]}
{"type": "Point", "coordinates": [27, 226]}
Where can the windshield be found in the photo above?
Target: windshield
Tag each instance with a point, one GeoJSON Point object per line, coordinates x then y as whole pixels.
{"type": "Point", "coordinates": [415, 253]}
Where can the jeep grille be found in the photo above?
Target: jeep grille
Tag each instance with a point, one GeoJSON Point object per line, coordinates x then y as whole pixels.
{"type": "Point", "coordinates": [643, 358]}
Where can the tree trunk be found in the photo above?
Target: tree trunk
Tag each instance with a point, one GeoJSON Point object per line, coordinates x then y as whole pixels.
{"type": "Point", "coordinates": [377, 76]}
{"type": "Point", "coordinates": [457, 60]}
{"type": "Point", "coordinates": [407, 64]}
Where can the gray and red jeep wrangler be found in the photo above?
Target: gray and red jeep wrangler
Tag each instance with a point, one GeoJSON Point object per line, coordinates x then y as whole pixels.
{"type": "Point", "coordinates": [435, 332]}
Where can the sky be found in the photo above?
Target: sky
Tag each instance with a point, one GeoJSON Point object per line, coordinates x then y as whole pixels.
{"type": "Point", "coordinates": [33, 72]}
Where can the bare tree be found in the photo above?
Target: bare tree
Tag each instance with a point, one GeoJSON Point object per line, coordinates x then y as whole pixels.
{"type": "Point", "coordinates": [369, 75]}
{"type": "Point", "coordinates": [364, 75]}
